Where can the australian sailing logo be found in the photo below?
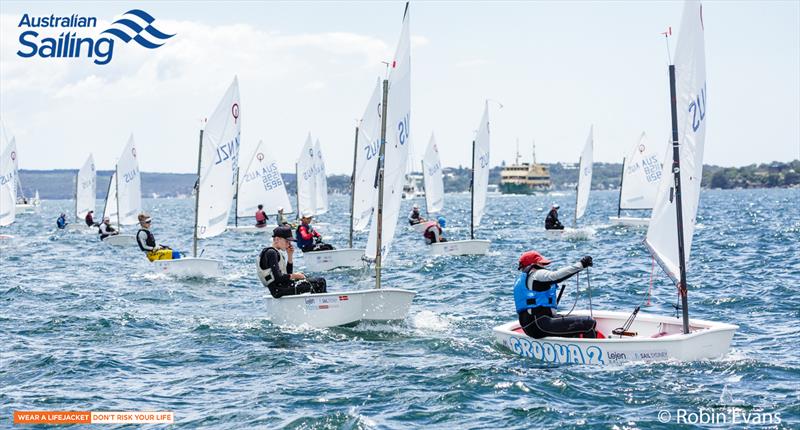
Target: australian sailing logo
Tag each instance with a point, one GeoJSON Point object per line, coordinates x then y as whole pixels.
{"type": "Point", "coordinates": [134, 25]}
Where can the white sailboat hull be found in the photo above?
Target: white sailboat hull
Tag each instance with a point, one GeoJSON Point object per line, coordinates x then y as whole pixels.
{"type": "Point", "coordinates": [319, 261]}
{"type": "Point", "coordinates": [22, 208]}
{"type": "Point", "coordinates": [461, 247]}
{"type": "Point", "coordinates": [81, 227]}
{"type": "Point", "coordinates": [629, 220]}
{"type": "Point", "coordinates": [189, 267]}
{"type": "Point", "coordinates": [569, 233]}
{"type": "Point", "coordinates": [658, 338]}
{"type": "Point", "coordinates": [340, 308]}
{"type": "Point", "coordinates": [6, 237]}
{"type": "Point", "coordinates": [420, 227]}
{"type": "Point", "coordinates": [120, 240]}
{"type": "Point", "coordinates": [250, 229]}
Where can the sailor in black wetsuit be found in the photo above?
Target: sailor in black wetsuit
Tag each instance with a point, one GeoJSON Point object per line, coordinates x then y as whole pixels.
{"type": "Point", "coordinates": [275, 271]}
{"type": "Point", "coordinates": [552, 222]}
{"type": "Point", "coordinates": [106, 229]}
{"type": "Point", "coordinates": [536, 299]}
{"type": "Point", "coordinates": [414, 217]}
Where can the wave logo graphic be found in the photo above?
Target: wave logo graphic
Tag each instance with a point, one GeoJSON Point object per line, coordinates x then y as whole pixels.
{"type": "Point", "coordinates": [137, 25]}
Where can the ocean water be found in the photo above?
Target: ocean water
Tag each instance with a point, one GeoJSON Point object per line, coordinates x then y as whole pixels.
{"type": "Point", "coordinates": [84, 326]}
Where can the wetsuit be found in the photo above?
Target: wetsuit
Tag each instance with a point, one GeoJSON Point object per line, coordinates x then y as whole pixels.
{"type": "Point", "coordinates": [274, 270]}
{"type": "Point", "coordinates": [542, 321]}
{"type": "Point", "coordinates": [309, 240]}
{"type": "Point", "coordinates": [61, 222]}
{"type": "Point", "coordinates": [552, 222]}
{"type": "Point", "coordinates": [261, 218]}
{"type": "Point", "coordinates": [414, 217]}
{"type": "Point", "coordinates": [433, 234]}
{"type": "Point", "coordinates": [106, 230]}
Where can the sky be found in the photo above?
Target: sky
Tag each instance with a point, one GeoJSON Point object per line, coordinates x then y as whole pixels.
{"type": "Point", "coordinates": [555, 67]}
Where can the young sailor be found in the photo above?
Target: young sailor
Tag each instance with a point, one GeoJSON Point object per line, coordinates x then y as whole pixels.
{"type": "Point", "coordinates": [147, 242]}
{"type": "Point", "coordinates": [536, 299]}
{"type": "Point", "coordinates": [106, 229]}
{"type": "Point", "coordinates": [433, 233]}
{"type": "Point", "coordinates": [275, 271]}
{"type": "Point", "coordinates": [307, 237]}
{"type": "Point", "coordinates": [89, 219]}
{"type": "Point", "coordinates": [414, 217]}
{"type": "Point", "coordinates": [261, 217]}
{"type": "Point", "coordinates": [61, 222]}
{"type": "Point", "coordinates": [282, 218]}
{"type": "Point", "coordinates": [552, 222]}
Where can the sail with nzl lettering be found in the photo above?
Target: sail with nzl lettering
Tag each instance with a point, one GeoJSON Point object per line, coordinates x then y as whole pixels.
{"type": "Point", "coordinates": [218, 164]}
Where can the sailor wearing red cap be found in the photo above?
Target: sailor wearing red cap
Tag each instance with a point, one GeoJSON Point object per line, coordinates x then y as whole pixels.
{"type": "Point", "coordinates": [535, 297]}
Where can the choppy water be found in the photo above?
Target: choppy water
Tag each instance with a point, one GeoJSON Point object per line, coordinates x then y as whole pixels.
{"type": "Point", "coordinates": [88, 327]}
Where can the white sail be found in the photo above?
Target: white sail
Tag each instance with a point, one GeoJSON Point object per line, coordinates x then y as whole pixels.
{"type": "Point", "coordinates": [306, 179]}
{"type": "Point", "coordinates": [369, 140]}
{"type": "Point", "coordinates": [321, 191]}
{"type": "Point", "coordinates": [585, 176]}
{"type": "Point", "coordinates": [480, 161]}
{"type": "Point", "coordinates": [260, 183]}
{"type": "Point", "coordinates": [129, 185]}
{"type": "Point", "coordinates": [219, 161]}
{"type": "Point", "coordinates": [17, 183]}
{"type": "Point", "coordinates": [640, 176]}
{"type": "Point", "coordinates": [432, 174]}
{"type": "Point", "coordinates": [86, 191]}
{"type": "Point", "coordinates": [110, 207]}
{"type": "Point", "coordinates": [690, 83]}
{"type": "Point", "coordinates": [398, 118]}
{"type": "Point", "coordinates": [8, 183]}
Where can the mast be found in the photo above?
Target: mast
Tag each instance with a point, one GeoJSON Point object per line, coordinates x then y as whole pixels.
{"type": "Point", "coordinates": [353, 188]}
{"type": "Point", "coordinates": [422, 162]}
{"type": "Point", "coordinates": [381, 162]}
{"type": "Point", "coordinates": [197, 194]}
{"type": "Point", "coordinates": [472, 196]}
{"type": "Point", "coordinates": [676, 170]}
{"type": "Point", "coordinates": [236, 207]}
{"type": "Point", "coordinates": [621, 178]}
{"type": "Point", "coordinates": [577, 191]}
{"type": "Point", "coordinates": [297, 189]}
{"type": "Point", "coordinates": [116, 191]}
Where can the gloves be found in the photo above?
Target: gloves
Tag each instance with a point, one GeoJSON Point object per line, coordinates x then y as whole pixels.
{"type": "Point", "coordinates": [586, 261]}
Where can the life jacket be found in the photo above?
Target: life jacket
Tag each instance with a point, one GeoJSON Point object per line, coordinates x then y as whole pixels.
{"type": "Point", "coordinates": [61, 222]}
{"type": "Point", "coordinates": [265, 275]}
{"type": "Point", "coordinates": [150, 241]}
{"type": "Point", "coordinates": [305, 243]}
{"type": "Point", "coordinates": [261, 217]}
{"type": "Point", "coordinates": [525, 298]}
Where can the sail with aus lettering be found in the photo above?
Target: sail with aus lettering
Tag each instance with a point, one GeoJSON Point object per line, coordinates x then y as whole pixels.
{"type": "Point", "coordinates": [8, 185]}
{"type": "Point", "coordinates": [129, 185]}
{"type": "Point", "coordinates": [306, 179]}
{"type": "Point", "coordinates": [369, 140]}
{"type": "Point", "coordinates": [480, 163]}
{"type": "Point", "coordinates": [432, 174]}
{"type": "Point", "coordinates": [585, 176]}
{"type": "Point", "coordinates": [260, 183]}
{"type": "Point", "coordinates": [641, 176]}
{"type": "Point", "coordinates": [398, 139]}
{"type": "Point", "coordinates": [86, 189]}
{"type": "Point", "coordinates": [321, 190]}
{"type": "Point", "coordinates": [219, 163]}
{"type": "Point", "coordinates": [690, 84]}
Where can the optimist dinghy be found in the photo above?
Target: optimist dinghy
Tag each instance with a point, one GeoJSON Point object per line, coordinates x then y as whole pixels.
{"type": "Point", "coordinates": [581, 197]}
{"type": "Point", "coordinates": [638, 184]}
{"type": "Point", "coordinates": [260, 184]}
{"type": "Point", "coordinates": [217, 165]}
{"type": "Point", "coordinates": [124, 197]}
{"type": "Point", "coordinates": [378, 304]}
{"type": "Point", "coordinates": [478, 190]}
{"type": "Point", "coordinates": [640, 337]}
{"type": "Point", "coordinates": [85, 196]}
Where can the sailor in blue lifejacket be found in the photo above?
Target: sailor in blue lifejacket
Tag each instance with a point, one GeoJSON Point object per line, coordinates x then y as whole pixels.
{"type": "Point", "coordinates": [61, 222]}
{"type": "Point", "coordinates": [536, 299]}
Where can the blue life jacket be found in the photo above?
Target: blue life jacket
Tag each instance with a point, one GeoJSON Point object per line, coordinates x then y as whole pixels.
{"type": "Point", "coordinates": [61, 222]}
{"type": "Point", "coordinates": [525, 299]}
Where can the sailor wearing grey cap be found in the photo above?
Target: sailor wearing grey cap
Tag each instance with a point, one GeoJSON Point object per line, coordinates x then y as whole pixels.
{"type": "Point", "coordinates": [275, 270]}
{"type": "Point", "coordinates": [552, 222]}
